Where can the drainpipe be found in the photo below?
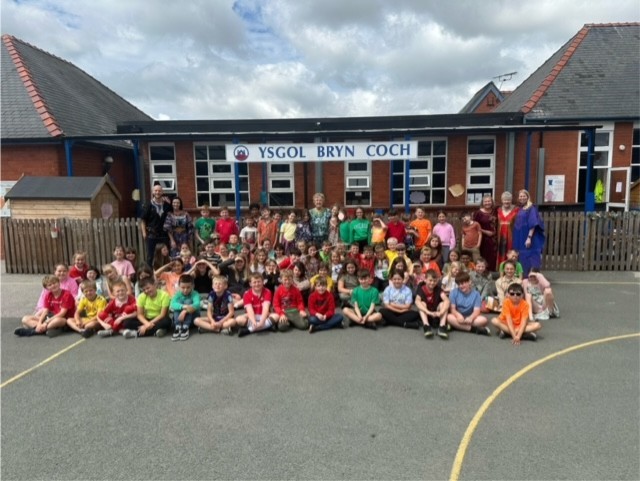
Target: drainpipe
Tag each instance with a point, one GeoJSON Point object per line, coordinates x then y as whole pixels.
{"type": "Point", "coordinates": [137, 169]}
{"type": "Point", "coordinates": [527, 164]}
{"type": "Point", "coordinates": [509, 166]}
{"type": "Point", "coordinates": [68, 144]}
{"type": "Point", "coordinates": [236, 177]}
{"type": "Point", "coordinates": [407, 175]}
{"type": "Point", "coordinates": [589, 196]}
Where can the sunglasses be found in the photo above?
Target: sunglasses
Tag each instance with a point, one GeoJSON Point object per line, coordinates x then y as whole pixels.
{"type": "Point", "coordinates": [517, 294]}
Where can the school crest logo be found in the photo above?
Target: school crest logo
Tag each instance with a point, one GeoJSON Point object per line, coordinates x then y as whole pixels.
{"type": "Point", "coordinates": [241, 153]}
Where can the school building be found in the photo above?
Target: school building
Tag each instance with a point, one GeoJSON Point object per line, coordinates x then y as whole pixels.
{"type": "Point", "coordinates": [570, 134]}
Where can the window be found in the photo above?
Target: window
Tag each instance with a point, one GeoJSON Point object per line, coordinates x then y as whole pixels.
{"type": "Point", "coordinates": [635, 155]}
{"type": "Point", "coordinates": [481, 162]}
{"type": "Point", "coordinates": [215, 177]}
{"type": "Point", "coordinates": [427, 175]}
{"type": "Point", "coordinates": [281, 184]}
{"type": "Point", "coordinates": [601, 164]}
{"type": "Point", "coordinates": [162, 166]}
{"type": "Point", "coordinates": [357, 181]}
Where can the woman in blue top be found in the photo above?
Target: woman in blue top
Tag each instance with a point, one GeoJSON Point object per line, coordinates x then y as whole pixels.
{"type": "Point", "coordinates": [319, 219]}
{"type": "Point", "coordinates": [528, 233]}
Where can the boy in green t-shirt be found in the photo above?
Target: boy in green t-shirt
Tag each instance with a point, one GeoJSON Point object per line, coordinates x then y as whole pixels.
{"type": "Point", "coordinates": [364, 300]}
{"type": "Point", "coordinates": [204, 226]}
{"type": "Point", "coordinates": [153, 311]}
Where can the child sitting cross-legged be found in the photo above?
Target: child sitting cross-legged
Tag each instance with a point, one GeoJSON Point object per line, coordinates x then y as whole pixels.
{"type": "Point", "coordinates": [120, 309]}
{"type": "Point", "coordinates": [322, 309]}
{"type": "Point", "coordinates": [185, 305]}
{"type": "Point", "coordinates": [153, 312]}
{"type": "Point", "coordinates": [58, 305]}
{"type": "Point", "coordinates": [257, 303]}
{"type": "Point", "coordinates": [433, 306]}
{"type": "Point", "coordinates": [288, 305]}
{"type": "Point", "coordinates": [514, 320]}
{"type": "Point", "coordinates": [364, 300]}
{"type": "Point", "coordinates": [220, 310]}
{"type": "Point", "coordinates": [85, 321]}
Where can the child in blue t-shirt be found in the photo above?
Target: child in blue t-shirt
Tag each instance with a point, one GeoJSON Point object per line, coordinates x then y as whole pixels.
{"type": "Point", "coordinates": [220, 310]}
{"type": "Point", "coordinates": [464, 310]}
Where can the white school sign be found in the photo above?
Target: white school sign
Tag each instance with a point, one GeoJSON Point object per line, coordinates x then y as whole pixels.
{"type": "Point", "coordinates": [341, 151]}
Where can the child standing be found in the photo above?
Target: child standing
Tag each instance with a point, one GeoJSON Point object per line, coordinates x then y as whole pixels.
{"type": "Point", "coordinates": [288, 232]}
{"type": "Point", "coordinates": [257, 303]}
{"type": "Point", "coordinates": [288, 305]}
{"type": "Point", "coordinates": [58, 304]}
{"type": "Point", "coordinates": [225, 226]}
{"type": "Point", "coordinates": [249, 233]}
{"type": "Point", "coordinates": [204, 226]}
{"type": "Point", "coordinates": [433, 306]}
{"type": "Point", "coordinates": [119, 310]}
{"type": "Point", "coordinates": [220, 310]}
{"type": "Point", "coordinates": [267, 228]}
{"type": "Point", "coordinates": [322, 309]}
{"type": "Point", "coordinates": [422, 227]}
{"type": "Point", "coordinates": [515, 318]}
{"type": "Point", "coordinates": [185, 305]}
{"type": "Point", "coordinates": [85, 321]}
{"type": "Point", "coordinates": [471, 235]}
{"type": "Point", "coordinates": [364, 300]}
{"type": "Point", "coordinates": [447, 234]}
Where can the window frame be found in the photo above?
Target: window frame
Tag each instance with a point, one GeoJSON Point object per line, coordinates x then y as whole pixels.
{"type": "Point", "coordinates": [482, 189]}
{"type": "Point", "coordinates": [278, 191]}
{"type": "Point", "coordinates": [416, 173]}
{"type": "Point", "coordinates": [212, 177]}
{"type": "Point", "coordinates": [163, 178]}
{"type": "Point", "coordinates": [609, 129]}
{"type": "Point", "coordinates": [359, 191]}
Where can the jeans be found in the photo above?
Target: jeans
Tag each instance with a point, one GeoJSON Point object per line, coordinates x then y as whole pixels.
{"type": "Point", "coordinates": [328, 324]}
{"type": "Point", "coordinates": [188, 319]}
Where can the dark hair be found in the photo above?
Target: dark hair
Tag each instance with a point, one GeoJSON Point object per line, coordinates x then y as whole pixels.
{"type": "Point", "coordinates": [179, 200]}
{"type": "Point", "coordinates": [515, 287]}
{"type": "Point", "coordinates": [96, 270]}
{"type": "Point", "coordinates": [295, 251]}
{"type": "Point", "coordinates": [363, 274]}
{"type": "Point", "coordinates": [462, 277]}
{"type": "Point", "coordinates": [396, 271]}
{"type": "Point", "coordinates": [301, 267]}
{"type": "Point", "coordinates": [466, 252]}
{"type": "Point", "coordinates": [185, 279]}
{"type": "Point", "coordinates": [431, 273]}
{"type": "Point", "coordinates": [146, 282]}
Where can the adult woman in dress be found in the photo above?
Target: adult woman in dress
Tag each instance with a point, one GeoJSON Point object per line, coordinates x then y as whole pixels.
{"type": "Point", "coordinates": [506, 215]}
{"type": "Point", "coordinates": [319, 219]}
{"type": "Point", "coordinates": [528, 233]}
{"type": "Point", "coordinates": [179, 226]}
{"type": "Point", "coordinates": [486, 217]}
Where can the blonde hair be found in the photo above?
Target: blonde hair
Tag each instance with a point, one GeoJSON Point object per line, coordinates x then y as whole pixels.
{"type": "Point", "coordinates": [529, 203]}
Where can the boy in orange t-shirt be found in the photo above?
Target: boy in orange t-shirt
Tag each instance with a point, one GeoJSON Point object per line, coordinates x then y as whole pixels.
{"type": "Point", "coordinates": [422, 225]}
{"type": "Point", "coordinates": [513, 320]}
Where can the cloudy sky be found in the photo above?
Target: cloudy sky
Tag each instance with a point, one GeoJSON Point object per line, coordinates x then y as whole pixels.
{"type": "Point", "coordinates": [226, 59]}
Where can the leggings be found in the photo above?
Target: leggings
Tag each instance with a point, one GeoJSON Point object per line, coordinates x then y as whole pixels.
{"type": "Point", "coordinates": [409, 319]}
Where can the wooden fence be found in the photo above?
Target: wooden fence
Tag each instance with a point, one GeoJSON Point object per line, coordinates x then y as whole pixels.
{"type": "Point", "coordinates": [30, 247]}
{"type": "Point", "coordinates": [575, 241]}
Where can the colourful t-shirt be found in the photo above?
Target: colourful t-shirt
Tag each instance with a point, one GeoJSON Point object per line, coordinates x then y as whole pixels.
{"type": "Point", "coordinates": [205, 226]}
{"type": "Point", "coordinates": [470, 235]}
{"type": "Point", "coordinates": [391, 295]}
{"type": "Point", "coordinates": [518, 313]}
{"type": "Point", "coordinates": [116, 309]}
{"type": "Point", "coordinates": [431, 298]}
{"type": "Point", "coordinates": [287, 298]}
{"type": "Point", "coordinates": [322, 304]}
{"type": "Point", "coordinates": [254, 300]}
{"type": "Point", "coordinates": [153, 306]}
{"type": "Point", "coordinates": [90, 309]}
{"type": "Point", "coordinates": [219, 304]}
{"type": "Point", "coordinates": [288, 231]}
{"type": "Point", "coordinates": [465, 303]}
{"type": "Point", "coordinates": [179, 299]}
{"type": "Point", "coordinates": [64, 301]}
{"type": "Point", "coordinates": [360, 230]}
{"type": "Point", "coordinates": [423, 227]}
{"type": "Point", "coordinates": [365, 298]}
{"type": "Point", "coordinates": [123, 267]}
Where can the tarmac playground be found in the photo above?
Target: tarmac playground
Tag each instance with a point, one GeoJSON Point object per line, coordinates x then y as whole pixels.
{"type": "Point", "coordinates": [341, 404]}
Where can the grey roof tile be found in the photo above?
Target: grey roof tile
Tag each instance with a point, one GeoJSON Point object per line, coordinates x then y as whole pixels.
{"type": "Point", "coordinates": [79, 103]}
{"type": "Point", "coordinates": [81, 188]}
{"type": "Point", "coordinates": [600, 80]}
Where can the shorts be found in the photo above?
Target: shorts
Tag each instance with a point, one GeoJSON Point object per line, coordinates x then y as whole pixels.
{"type": "Point", "coordinates": [267, 325]}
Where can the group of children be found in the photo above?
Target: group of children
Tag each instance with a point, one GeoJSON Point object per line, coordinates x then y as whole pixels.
{"type": "Point", "coordinates": [274, 279]}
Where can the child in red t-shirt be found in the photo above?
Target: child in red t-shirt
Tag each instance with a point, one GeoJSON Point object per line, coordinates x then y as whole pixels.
{"type": "Point", "coordinates": [257, 303]}
{"type": "Point", "coordinates": [119, 309]}
{"type": "Point", "coordinates": [59, 304]}
{"type": "Point", "coordinates": [288, 305]}
{"type": "Point", "coordinates": [322, 309]}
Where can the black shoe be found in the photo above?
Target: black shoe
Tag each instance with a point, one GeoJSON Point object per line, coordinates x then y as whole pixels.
{"type": "Point", "coordinates": [243, 332]}
{"type": "Point", "coordinates": [370, 325]}
{"type": "Point", "coordinates": [530, 336]}
{"type": "Point", "coordinates": [25, 332]}
{"type": "Point", "coordinates": [442, 333]}
{"type": "Point", "coordinates": [184, 333]}
{"type": "Point", "coordinates": [428, 332]}
{"type": "Point", "coordinates": [484, 331]}
{"type": "Point", "coordinates": [176, 333]}
{"type": "Point", "coordinates": [87, 333]}
{"type": "Point", "coordinates": [54, 332]}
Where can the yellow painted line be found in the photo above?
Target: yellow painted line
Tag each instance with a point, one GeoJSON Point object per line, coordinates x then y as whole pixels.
{"type": "Point", "coordinates": [466, 439]}
{"type": "Point", "coordinates": [47, 360]}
